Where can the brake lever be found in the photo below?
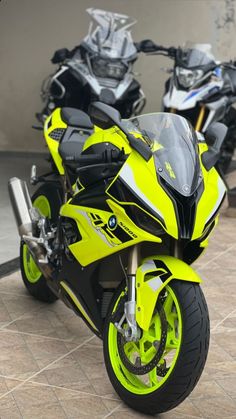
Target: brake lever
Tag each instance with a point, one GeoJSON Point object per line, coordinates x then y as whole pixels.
{"type": "Point", "coordinates": [38, 128]}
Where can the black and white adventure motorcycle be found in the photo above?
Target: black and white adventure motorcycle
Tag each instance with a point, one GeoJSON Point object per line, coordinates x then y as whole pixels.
{"type": "Point", "coordinates": [100, 68]}
{"type": "Point", "coordinates": [202, 90]}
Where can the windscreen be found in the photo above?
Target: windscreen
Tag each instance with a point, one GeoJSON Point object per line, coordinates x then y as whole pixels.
{"type": "Point", "coordinates": [174, 145]}
{"type": "Point", "coordinates": [108, 35]}
{"type": "Point", "coordinates": [195, 55]}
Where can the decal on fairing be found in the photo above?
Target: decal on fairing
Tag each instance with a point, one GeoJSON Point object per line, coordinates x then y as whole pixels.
{"type": "Point", "coordinates": [115, 235]}
{"type": "Point", "coordinates": [170, 170]}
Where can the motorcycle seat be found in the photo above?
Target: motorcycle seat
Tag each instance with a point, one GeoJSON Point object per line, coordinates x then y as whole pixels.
{"type": "Point", "coordinates": [76, 118]}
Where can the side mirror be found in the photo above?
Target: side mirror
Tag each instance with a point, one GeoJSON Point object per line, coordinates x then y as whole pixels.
{"type": "Point", "coordinates": [147, 45]}
{"type": "Point", "coordinates": [104, 116]}
{"type": "Point", "coordinates": [214, 136]}
{"type": "Point", "coordinates": [60, 55]}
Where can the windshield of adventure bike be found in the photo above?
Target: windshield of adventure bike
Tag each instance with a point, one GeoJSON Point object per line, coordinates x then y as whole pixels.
{"type": "Point", "coordinates": [174, 145]}
{"type": "Point", "coordinates": [108, 36]}
{"type": "Point", "coordinates": [195, 55]}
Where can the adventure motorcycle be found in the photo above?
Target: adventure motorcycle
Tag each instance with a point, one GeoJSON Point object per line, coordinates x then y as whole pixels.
{"type": "Point", "coordinates": [202, 90]}
{"type": "Point", "coordinates": [100, 68]}
{"type": "Point", "coordinates": [114, 234]}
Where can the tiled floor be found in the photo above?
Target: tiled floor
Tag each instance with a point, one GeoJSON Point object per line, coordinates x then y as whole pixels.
{"type": "Point", "coordinates": [52, 367]}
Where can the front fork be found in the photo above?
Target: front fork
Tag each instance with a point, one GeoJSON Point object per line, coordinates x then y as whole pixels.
{"type": "Point", "coordinates": [132, 333]}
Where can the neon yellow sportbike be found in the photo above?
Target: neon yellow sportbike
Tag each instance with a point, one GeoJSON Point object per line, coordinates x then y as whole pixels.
{"type": "Point", "coordinates": [113, 231]}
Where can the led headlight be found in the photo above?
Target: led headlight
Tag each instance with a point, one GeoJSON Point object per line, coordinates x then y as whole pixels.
{"type": "Point", "coordinates": [188, 78]}
{"type": "Point", "coordinates": [106, 68]}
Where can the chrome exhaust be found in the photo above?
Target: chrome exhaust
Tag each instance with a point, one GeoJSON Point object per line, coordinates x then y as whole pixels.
{"type": "Point", "coordinates": [27, 218]}
{"type": "Point", "coordinates": [21, 205]}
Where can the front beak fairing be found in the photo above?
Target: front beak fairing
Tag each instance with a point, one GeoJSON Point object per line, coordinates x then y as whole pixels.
{"type": "Point", "coordinates": [173, 186]}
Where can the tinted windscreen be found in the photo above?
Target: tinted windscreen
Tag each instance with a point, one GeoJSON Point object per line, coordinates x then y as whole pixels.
{"type": "Point", "coordinates": [191, 58]}
{"type": "Point", "coordinates": [174, 145]}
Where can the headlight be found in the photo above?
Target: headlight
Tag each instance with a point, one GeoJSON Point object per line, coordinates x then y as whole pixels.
{"type": "Point", "coordinates": [105, 68]}
{"type": "Point", "coordinates": [187, 78]}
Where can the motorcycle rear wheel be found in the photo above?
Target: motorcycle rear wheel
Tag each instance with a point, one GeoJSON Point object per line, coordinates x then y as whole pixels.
{"type": "Point", "coordinates": [47, 200]}
{"type": "Point", "coordinates": [183, 358]}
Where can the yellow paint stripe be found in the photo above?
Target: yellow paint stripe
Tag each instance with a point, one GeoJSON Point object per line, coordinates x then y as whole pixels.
{"type": "Point", "coordinates": [78, 304]}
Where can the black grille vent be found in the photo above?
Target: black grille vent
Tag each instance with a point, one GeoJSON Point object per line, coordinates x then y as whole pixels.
{"type": "Point", "coordinates": [57, 134]}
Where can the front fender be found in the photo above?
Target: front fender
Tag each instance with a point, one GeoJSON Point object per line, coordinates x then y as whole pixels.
{"type": "Point", "coordinates": [151, 277]}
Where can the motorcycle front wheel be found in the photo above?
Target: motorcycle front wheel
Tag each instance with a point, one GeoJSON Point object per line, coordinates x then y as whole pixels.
{"type": "Point", "coordinates": [157, 372]}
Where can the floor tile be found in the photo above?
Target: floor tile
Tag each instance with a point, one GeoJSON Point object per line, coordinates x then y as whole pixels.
{"type": "Point", "coordinates": [54, 320]}
{"type": "Point", "coordinates": [81, 405]}
{"type": "Point", "coordinates": [35, 401]}
{"type": "Point", "coordinates": [222, 407]}
{"type": "Point", "coordinates": [228, 385]}
{"type": "Point", "coordinates": [9, 408]}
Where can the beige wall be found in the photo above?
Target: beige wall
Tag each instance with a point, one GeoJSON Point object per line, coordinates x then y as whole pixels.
{"type": "Point", "coordinates": [30, 31]}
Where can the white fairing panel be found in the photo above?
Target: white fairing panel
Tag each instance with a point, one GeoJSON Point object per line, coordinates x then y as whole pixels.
{"type": "Point", "coordinates": [221, 193]}
{"type": "Point", "coordinates": [182, 99]}
{"type": "Point", "coordinates": [126, 174]}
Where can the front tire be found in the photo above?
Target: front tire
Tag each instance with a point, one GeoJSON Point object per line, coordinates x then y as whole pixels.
{"type": "Point", "coordinates": [48, 200]}
{"type": "Point", "coordinates": [182, 361]}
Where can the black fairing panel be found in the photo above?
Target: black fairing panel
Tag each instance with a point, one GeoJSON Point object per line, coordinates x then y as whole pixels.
{"type": "Point", "coordinates": [193, 249]}
{"type": "Point", "coordinates": [93, 196]}
{"type": "Point", "coordinates": [77, 94]}
{"type": "Point", "coordinates": [125, 104]}
{"type": "Point", "coordinates": [185, 208]}
{"type": "Point", "coordinates": [88, 283]}
{"type": "Point", "coordinates": [231, 73]}
{"type": "Point", "coordinates": [84, 283]}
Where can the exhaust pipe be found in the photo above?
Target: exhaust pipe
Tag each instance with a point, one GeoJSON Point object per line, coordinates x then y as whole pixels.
{"type": "Point", "coordinates": [23, 211]}
{"type": "Point", "coordinates": [21, 205]}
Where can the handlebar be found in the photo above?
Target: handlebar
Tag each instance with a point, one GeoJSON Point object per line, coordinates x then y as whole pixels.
{"type": "Point", "coordinates": [108, 156]}
{"type": "Point", "coordinates": [150, 47]}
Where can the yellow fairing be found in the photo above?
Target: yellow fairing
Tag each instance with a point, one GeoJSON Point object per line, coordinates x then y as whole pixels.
{"type": "Point", "coordinates": [98, 240]}
{"type": "Point", "coordinates": [53, 122]}
{"type": "Point", "coordinates": [149, 285]}
{"type": "Point", "coordinates": [142, 179]}
{"type": "Point", "coordinates": [111, 135]}
{"type": "Point", "coordinates": [209, 203]}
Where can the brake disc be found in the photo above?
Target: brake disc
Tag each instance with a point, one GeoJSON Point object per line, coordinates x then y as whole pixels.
{"type": "Point", "coordinates": [137, 368]}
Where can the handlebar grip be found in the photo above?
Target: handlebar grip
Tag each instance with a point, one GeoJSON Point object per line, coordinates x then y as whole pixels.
{"type": "Point", "coordinates": [85, 159]}
{"type": "Point", "coordinates": [108, 156]}
{"type": "Point", "coordinates": [149, 46]}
